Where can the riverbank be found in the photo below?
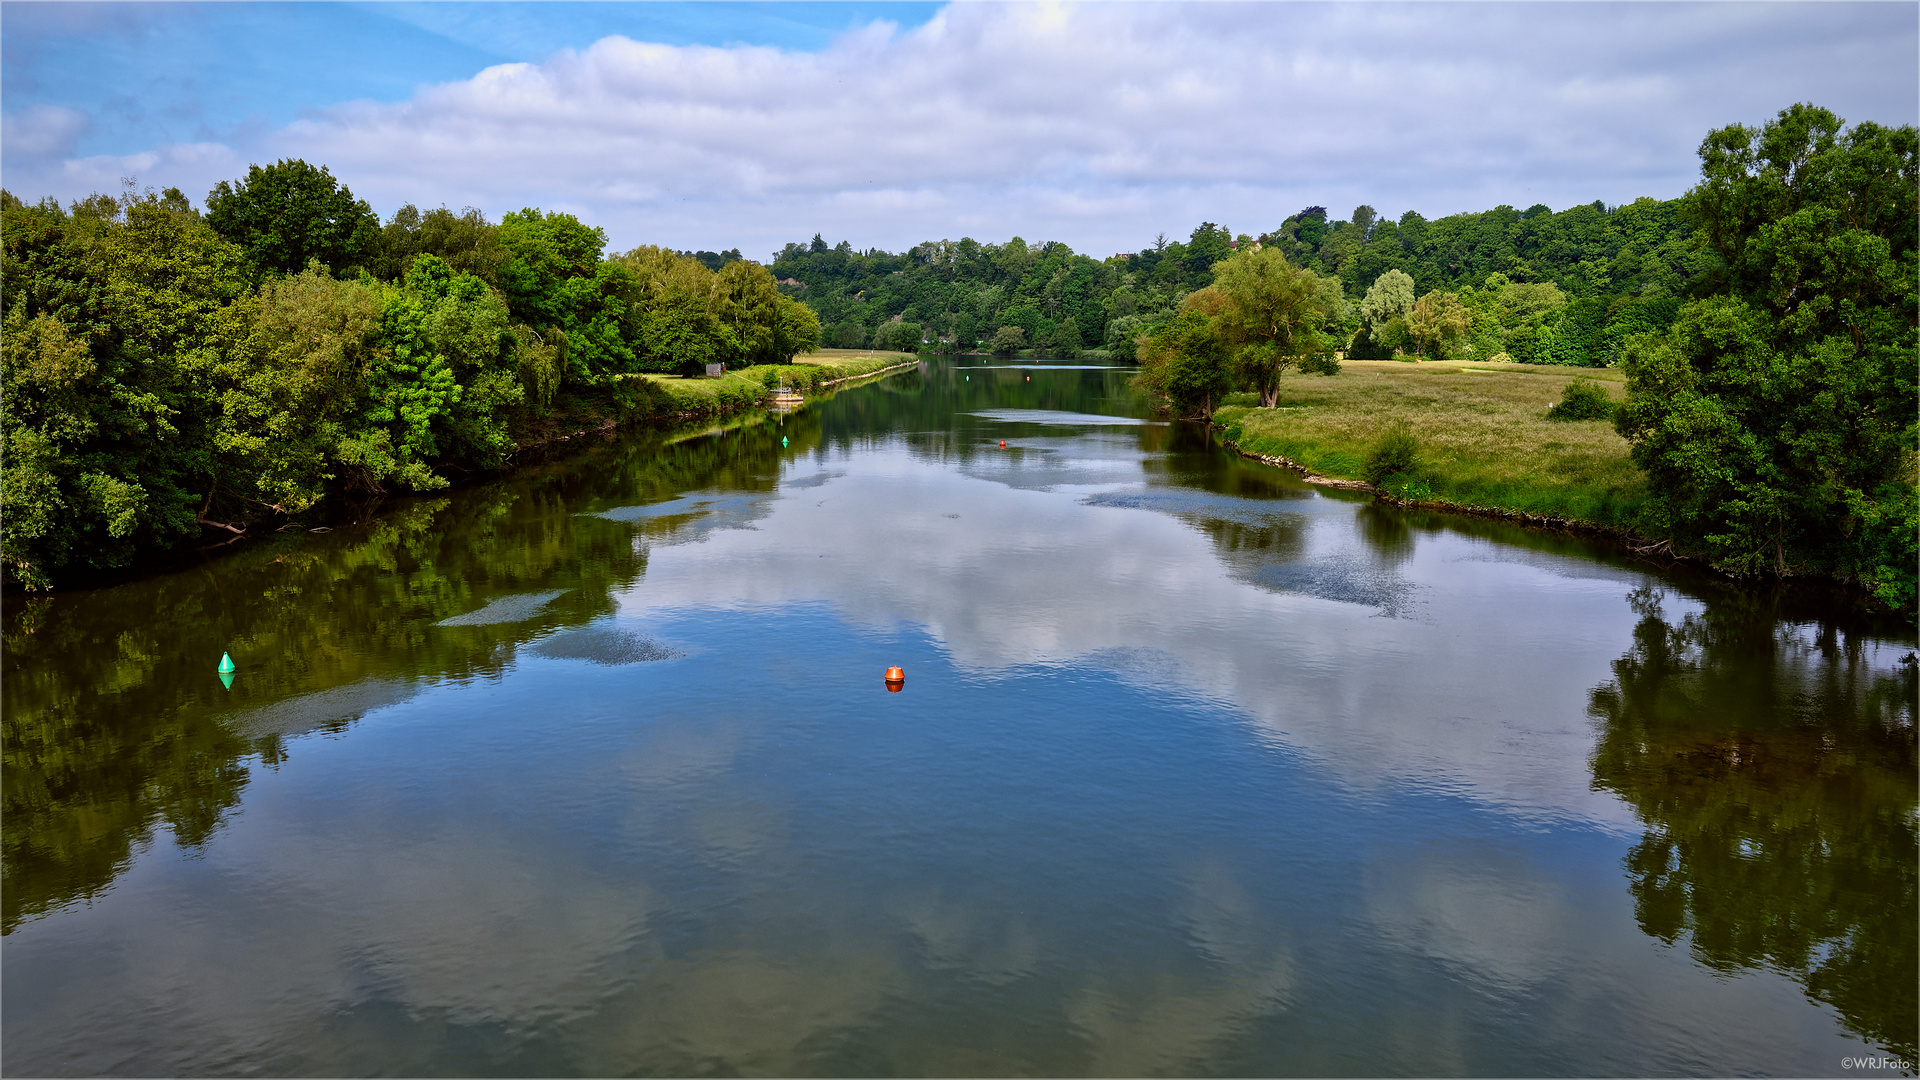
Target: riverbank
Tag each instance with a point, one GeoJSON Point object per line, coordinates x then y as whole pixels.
{"type": "Point", "coordinates": [665, 398]}
{"type": "Point", "coordinates": [1486, 445]}
{"type": "Point", "coordinates": [570, 421]}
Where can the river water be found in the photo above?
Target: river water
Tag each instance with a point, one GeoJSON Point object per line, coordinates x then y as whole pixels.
{"type": "Point", "coordinates": [1196, 770]}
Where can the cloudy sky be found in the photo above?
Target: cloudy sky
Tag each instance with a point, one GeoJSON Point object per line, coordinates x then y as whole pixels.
{"type": "Point", "coordinates": [749, 125]}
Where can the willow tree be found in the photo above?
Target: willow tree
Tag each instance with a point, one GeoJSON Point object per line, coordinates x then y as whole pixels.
{"type": "Point", "coordinates": [1273, 316]}
{"type": "Point", "coordinates": [1438, 320]}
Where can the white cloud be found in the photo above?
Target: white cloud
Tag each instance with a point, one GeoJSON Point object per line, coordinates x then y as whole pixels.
{"type": "Point", "coordinates": [43, 131]}
{"type": "Point", "coordinates": [1104, 124]}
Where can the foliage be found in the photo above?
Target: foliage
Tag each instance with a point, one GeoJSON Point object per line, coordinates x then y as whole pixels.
{"type": "Point", "coordinates": [1583, 399]}
{"type": "Point", "coordinates": [1773, 772]}
{"type": "Point", "coordinates": [1776, 419]}
{"type": "Point", "coordinates": [1517, 274]}
{"type": "Point", "coordinates": [1437, 321]}
{"type": "Point", "coordinates": [1272, 315]}
{"type": "Point", "coordinates": [964, 292]}
{"type": "Point", "coordinates": [1008, 340]}
{"type": "Point", "coordinates": [1383, 315]}
{"type": "Point", "coordinates": [1395, 455]}
{"type": "Point", "coordinates": [898, 336]}
{"type": "Point", "coordinates": [289, 213]}
{"type": "Point", "coordinates": [466, 241]}
{"type": "Point", "coordinates": [1186, 361]}
{"type": "Point", "coordinates": [123, 325]}
{"type": "Point", "coordinates": [161, 379]}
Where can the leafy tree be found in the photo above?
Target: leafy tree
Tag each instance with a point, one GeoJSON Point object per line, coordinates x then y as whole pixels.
{"type": "Point", "coordinates": [898, 336]}
{"type": "Point", "coordinates": [1272, 316]}
{"type": "Point", "coordinates": [1776, 420]}
{"type": "Point", "coordinates": [466, 241]}
{"type": "Point", "coordinates": [1008, 340]}
{"type": "Point", "coordinates": [1065, 339]}
{"type": "Point", "coordinates": [122, 328]}
{"type": "Point", "coordinates": [1186, 361]}
{"type": "Point", "coordinates": [677, 305]}
{"type": "Point", "coordinates": [1437, 321]}
{"type": "Point", "coordinates": [1384, 312]}
{"type": "Point", "coordinates": [1208, 245]}
{"type": "Point", "coordinates": [289, 213]}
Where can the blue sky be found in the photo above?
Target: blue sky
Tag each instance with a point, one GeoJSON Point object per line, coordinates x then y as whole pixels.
{"type": "Point", "coordinates": [147, 72]}
{"type": "Point", "coordinates": [722, 125]}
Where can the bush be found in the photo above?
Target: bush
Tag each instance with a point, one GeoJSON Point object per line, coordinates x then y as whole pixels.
{"type": "Point", "coordinates": [1008, 340]}
{"type": "Point", "coordinates": [1583, 399]}
{"type": "Point", "coordinates": [1396, 454]}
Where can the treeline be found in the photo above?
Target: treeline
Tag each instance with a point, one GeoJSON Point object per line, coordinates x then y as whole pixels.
{"type": "Point", "coordinates": [1774, 409]}
{"type": "Point", "coordinates": [1538, 286]}
{"type": "Point", "coordinates": [169, 372]}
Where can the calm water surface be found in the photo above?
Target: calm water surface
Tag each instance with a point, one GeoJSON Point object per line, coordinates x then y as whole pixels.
{"type": "Point", "coordinates": [1197, 770]}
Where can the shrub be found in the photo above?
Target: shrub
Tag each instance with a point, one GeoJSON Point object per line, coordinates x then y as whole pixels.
{"type": "Point", "coordinates": [1583, 399]}
{"type": "Point", "coordinates": [1396, 454]}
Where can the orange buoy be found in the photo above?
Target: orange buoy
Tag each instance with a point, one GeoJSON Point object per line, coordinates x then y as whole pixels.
{"type": "Point", "coordinates": [1003, 444]}
{"type": "Point", "coordinates": [896, 680]}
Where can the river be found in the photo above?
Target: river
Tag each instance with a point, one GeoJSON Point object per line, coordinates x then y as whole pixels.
{"type": "Point", "coordinates": [1196, 769]}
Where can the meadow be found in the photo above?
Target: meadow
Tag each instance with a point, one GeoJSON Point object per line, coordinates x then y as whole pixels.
{"type": "Point", "coordinates": [1483, 430]}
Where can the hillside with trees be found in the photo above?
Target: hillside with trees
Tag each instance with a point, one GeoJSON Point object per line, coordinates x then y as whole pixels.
{"type": "Point", "coordinates": [1538, 286]}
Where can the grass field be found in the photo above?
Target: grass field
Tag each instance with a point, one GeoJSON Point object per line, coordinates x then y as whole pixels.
{"type": "Point", "coordinates": [1484, 434]}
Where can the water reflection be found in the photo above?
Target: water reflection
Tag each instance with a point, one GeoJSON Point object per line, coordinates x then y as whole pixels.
{"type": "Point", "coordinates": [1199, 771]}
{"type": "Point", "coordinates": [1770, 754]}
{"type": "Point", "coordinates": [116, 727]}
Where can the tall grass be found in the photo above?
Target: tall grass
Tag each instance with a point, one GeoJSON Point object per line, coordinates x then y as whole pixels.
{"type": "Point", "coordinates": [1482, 432]}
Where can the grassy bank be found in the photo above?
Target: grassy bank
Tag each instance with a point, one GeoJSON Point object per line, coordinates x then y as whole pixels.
{"type": "Point", "coordinates": [636, 398]}
{"type": "Point", "coordinates": [1485, 440]}
{"type": "Point", "coordinates": [827, 365]}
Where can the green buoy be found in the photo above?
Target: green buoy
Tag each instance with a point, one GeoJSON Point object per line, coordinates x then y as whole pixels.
{"type": "Point", "coordinates": [783, 442]}
{"type": "Point", "coordinates": [226, 664]}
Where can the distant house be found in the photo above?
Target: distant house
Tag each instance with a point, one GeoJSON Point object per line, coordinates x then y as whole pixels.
{"type": "Point", "coordinates": [1124, 255]}
{"type": "Point", "coordinates": [792, 281]}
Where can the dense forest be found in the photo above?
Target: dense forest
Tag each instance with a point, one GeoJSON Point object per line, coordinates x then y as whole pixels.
{"type": "Point", "coordinates": [170, 371]}
{"type": "Point", "coordinates": [1539, 286]}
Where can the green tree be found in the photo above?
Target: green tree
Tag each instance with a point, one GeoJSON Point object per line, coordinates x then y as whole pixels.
{"type": "Point", "coordinates": [1776, 421]}
{"type": "Point", "coordinates": [1065, 339]}
{"type": "Point", "coordinates": [1008, 340]}
{"type": "Point", "coordinates": [289, 213]}
{"type": "Point", "coordinates": [466, 241]}
{"type": "Point", "coordinates": [1437, 321]}
{"type": "Point", "coordinates": [1187, 362]}
{"type": "Point", "coordinates": [1384, 312]}
{"type": "Point", "coordinates": [1272, 316]}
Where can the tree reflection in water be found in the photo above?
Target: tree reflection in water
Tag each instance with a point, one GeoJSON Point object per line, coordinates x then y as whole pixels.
{"type": "Point", "coordinates": [1771, 758]}
{"type": "Point", "coordinates": [116, 729]}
